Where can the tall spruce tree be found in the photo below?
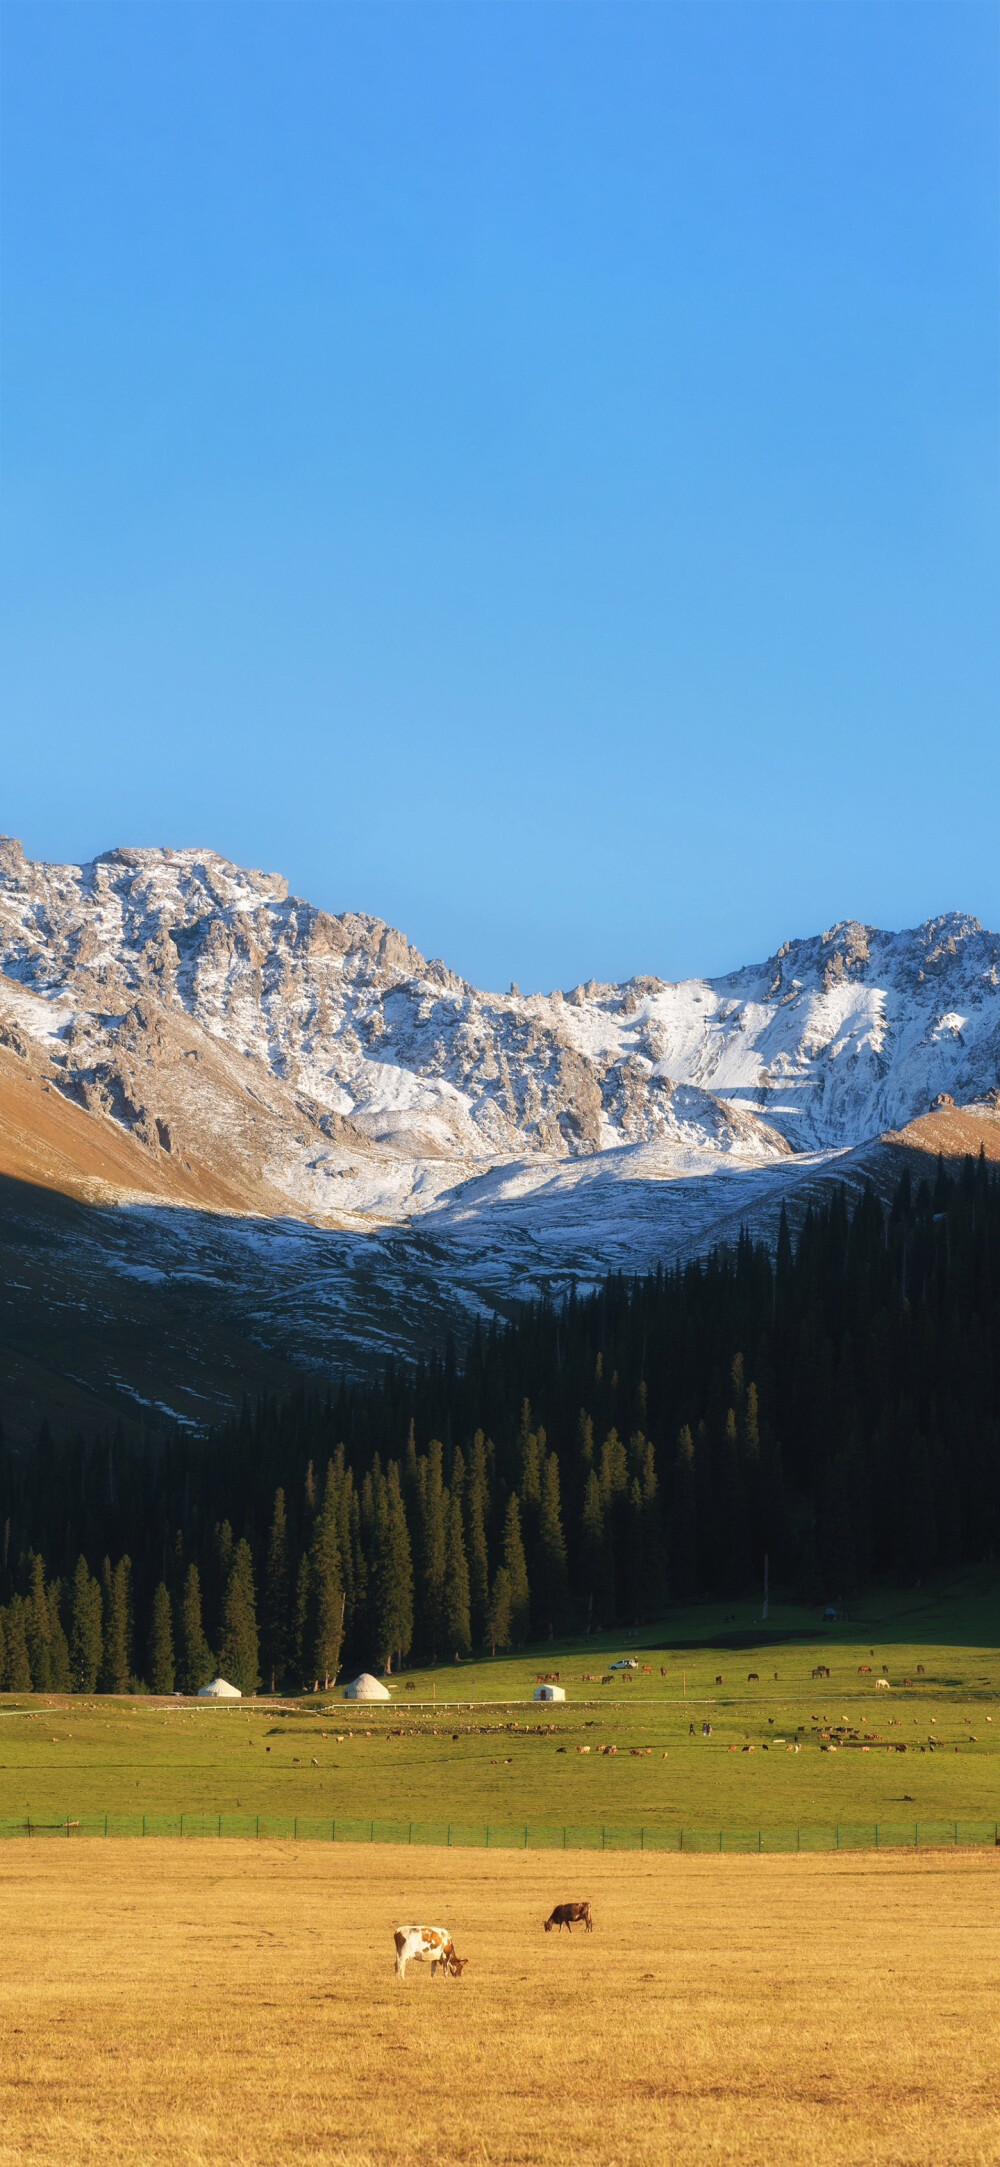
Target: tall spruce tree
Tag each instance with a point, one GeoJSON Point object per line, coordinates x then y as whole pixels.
{"type": "Point", "coordinates": [277, 1593]}
{"type": "Point", "coordinates": [116, 1668]}
{"type": "Point", "coordinates": [499, 1618]}
{"type": "Point", "coordinates": [456, 1583]}
{"type": "Point", "coordinates": [595, 1562]}
{"type": "Point", "coordinates": [391, 1589]}
{"type": "Point", "coordinates": [551, 1597]}
{"type": "Point", "coordinates": [301, 1635]}
{"type": "Point", "coordinates": [37, 1627]}
{"type": "Point", "coordinates": [18, 1663]}
{"type": "Point", "coordinates": [432, 1526]}
{"type": "Point", "coordinates": [326, 1588]}
{"type": "Point", "coordinates": [239, 1651]}
{"type": "Point", "coordinates": [476, 1548]}
{"type": "Point", "coordinates": [517, 1572]}
{"type": "Point", "coordinates": [161, 1643]}
{"type": "Point", "coordinates": [86, 1635]}
{"type": "Point", "coordinates": [195, 1666]}
{"type": "Point", "coordinates": [59, 1663]}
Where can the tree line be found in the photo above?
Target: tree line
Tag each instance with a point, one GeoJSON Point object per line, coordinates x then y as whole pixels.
{"type": "Point", "coordinates": [834, 1405]}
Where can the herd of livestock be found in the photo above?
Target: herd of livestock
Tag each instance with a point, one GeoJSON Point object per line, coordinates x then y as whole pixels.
{"type": "Point", "coordinates": [433, 1945]}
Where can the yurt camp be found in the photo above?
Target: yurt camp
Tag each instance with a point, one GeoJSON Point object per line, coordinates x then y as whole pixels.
{"type": "Point", "coordinates": [220, 1689]}
{"type": "Point", "coordinates": [366, 1688]}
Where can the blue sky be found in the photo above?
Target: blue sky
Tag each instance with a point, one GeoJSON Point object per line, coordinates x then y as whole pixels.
{"type": "Point", "coordinates": [528, 471]}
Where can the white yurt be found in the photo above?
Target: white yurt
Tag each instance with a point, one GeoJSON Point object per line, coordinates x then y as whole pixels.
{"type": "Point", "coordinates": [550, 1692]}
{"type": "Point", "coordinates": [220, 1689]}
{"type": "Point", "coordinates": [366, 1688]}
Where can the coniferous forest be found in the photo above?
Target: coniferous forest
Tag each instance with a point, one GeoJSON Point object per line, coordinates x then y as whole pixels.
{"type": "Point", "coordinates": [834, 1405]}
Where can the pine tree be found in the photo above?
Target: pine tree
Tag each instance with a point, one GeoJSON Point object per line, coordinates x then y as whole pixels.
{"type": "Point", "coordinates": [86, 1638]}
{"type": "Point", "coordinates": [432, 1530]}
{"type": "Point", "coordinates": [303, 1649]}
{"type": "Point", "coordinates": [116, 1668]}
{"type": "Point", "coordinates": [456, 1583]}
{"type": "Point", "coordinates": [476, 1502]}
{"type": "Point", "coordinates": [517, 1572]}
{"type": "Point", "coordinates": [551, 1593]}
{"type": "Point", "coordinates": [195, 1666]}
{"type": "Point", "coordinates": [500, 1614]}
{"type": "Point", "coordinates": [391, 1574]}
{"type": "Point", "coordinates": [18, 1679]}
{"type": "Point", "coordinates": [598, 1579]}
{"type": "Point", "coordinates": [239, 1652]}
{"type": "Point", "coordinates": [215, 1592]}
{"type": "Point", "coordinates": [276, 1594]}
{"type": "Point", "coordinates": [326, 1588]}
{"type": "Point", "coordinates": [161, 1644]}
{"type": "Point", "coordinates": [37, 1626]}
{"type": "Point", "coordinates": [62, 1681]}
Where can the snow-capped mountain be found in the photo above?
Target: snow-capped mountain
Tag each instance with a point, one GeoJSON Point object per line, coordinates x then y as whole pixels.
{"type": "Point", "coordinates": [321, 1062]}
{"type": "Point", "coordinates": [319, 1148]}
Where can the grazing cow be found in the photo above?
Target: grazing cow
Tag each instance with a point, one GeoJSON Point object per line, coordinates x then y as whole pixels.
{"type": "Point", "coordinates": [568, 1916]}
{"type": "Point", "coordinates": [753, 1677]}
{"type": "Point", "coordinates": [431, 1945]}
{"type": "Point", "coordinates": [864, 1670]}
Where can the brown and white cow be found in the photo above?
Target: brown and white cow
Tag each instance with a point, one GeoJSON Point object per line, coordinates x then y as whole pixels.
{"type": "Point", "coordinates": [431, 1945]}
{"type": "Point", "coordinates": [568, 1916]}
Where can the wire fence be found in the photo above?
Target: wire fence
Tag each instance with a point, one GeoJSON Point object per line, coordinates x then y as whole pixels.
{"type": "Point", "coordinates": [509, 1836]}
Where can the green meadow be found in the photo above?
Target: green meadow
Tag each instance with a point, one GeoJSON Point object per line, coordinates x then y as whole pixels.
{"type": "Point", "coordinates": [467, 1745]}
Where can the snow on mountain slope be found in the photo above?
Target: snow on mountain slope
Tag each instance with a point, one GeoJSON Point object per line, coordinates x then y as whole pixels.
{"type": "Point", "coordinates": [321, 1063]}
{"type": "Point", "coordinates": [327, 1148]}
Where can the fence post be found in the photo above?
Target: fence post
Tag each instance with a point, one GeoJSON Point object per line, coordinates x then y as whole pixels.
{"type": "Point", "coordinates": [449, 1835]}
{"type": "Point", "coordinates": [220, 1825]}
{"type": "Point", "coordinates": [371, 1833]}
{"type": "Point", "coordinates": [760, 1840]}
{"type": "Point", "coordinates": [295, 1829]}
{"type": "Point", "coordinates": [258, 1828]}
{"type": "Point", "coordinates": [956, 1832]}
{"type": "Point", "coordinates": [838, 1837]}
{"type": "Point", "coordinates": [143, 1825]}
{"type": "Point", "coordinates": [333, 1838]}
{"type": "Point", "coordinates": [681, 1844]}
{"type": "Point", "coordinates": [604, 1838]}
{"type": "Point", "coordinates": [876, 1835]}
{"type": "Point", "coordinates": [487, 1835]}
{"type": "Point", "coordinates": [106, 1824]}
{"type": "Point", "coordinates": [798, 1839]}
{"type": "Point", "coordinates": [525, 1839]}
{"type": "Point", "coordinates": [410, 1836]}
{"type": "Point", "coordinates": [564, 1839]}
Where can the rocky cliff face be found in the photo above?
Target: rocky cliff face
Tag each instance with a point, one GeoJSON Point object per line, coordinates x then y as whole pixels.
{"type": "Point", "coordinates": [320, 1064]}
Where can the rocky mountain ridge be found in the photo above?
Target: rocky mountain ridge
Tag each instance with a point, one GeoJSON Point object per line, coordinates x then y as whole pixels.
{"type": "Point", "coordinates": [240, 1138]}
{"type": "Point", "coordinates": [319, 1064]}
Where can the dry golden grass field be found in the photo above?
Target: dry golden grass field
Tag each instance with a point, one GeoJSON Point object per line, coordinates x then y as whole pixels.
{"type": "Point", "coordinates": [234, 2005]}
